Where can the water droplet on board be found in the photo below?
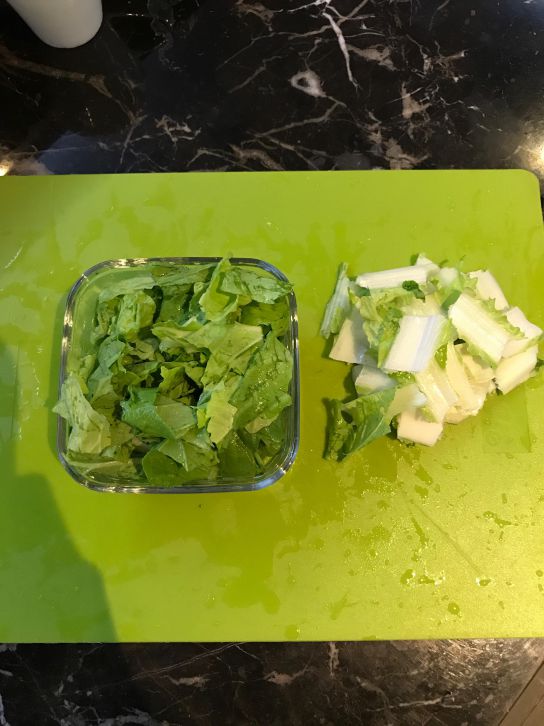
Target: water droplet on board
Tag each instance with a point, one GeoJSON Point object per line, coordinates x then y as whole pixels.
{"type": "Point", "coordinates": [292, 632]}
{"type": "Point", "coordinates": [407, 577]}
{"type": "Point", "coordinates": [454, 608]}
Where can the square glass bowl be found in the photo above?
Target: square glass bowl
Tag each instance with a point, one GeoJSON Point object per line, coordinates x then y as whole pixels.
{"type": "Point", "coordinates": [76, 343]}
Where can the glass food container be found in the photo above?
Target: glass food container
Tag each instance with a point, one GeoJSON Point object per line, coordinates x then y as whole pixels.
{"type": "Point", "coordinates": [77, 343]}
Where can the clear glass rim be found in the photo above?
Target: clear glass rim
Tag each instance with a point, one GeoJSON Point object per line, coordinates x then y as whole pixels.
{"type": "Point", "coordinates": [198, 486]}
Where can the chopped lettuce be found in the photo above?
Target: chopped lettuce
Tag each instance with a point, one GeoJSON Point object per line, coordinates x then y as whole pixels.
{"type": "Point", "coordinates": [151, 413]}
{"type": "Point", "coordinates": [187, 378]}
{"type": "Point", "coordinates": [429, 341]}
{"type": "Point", "coordinates": [255, 284]}
{"type": "Point", "coordinates": [135, 312]}
{"type": "Point", "coordinates": [274, 316]}
{"type": "Point", "coordinates": [89, 430]}
{"type": "Point", "coordinates": [263, 391]}
{"type": "Point", "coordinates": [357, 423]}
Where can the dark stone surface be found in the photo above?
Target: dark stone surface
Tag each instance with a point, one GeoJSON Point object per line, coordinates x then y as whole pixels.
{"type": "Point", "coordinates": [375, 684]}
{"type": "Point", "coordinates": [330, 84]}
{"type": "Point", "coordinates": [179, 85]}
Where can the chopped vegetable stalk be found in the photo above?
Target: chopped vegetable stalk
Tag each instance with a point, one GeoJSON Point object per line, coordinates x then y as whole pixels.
{"type": "Point", "coordinates": [415, 344]}
{"type": "Point", "coordinates": [485, 334]}
{"type": "Point", "coordinates": [437, 341]}
{"type": "Point", "coordinates": [471, 396]}
{"type": "Point", "coordinates": [406, 398]}
{"type": "Point", "coordinates": [412, 426]}
{"type": "Point", "coordinates": [531, 333]}
{"type": "Point", "coordinates": [394, 278]}
{"type": "Point", "coordinates": [430, 305]}
{"type": "Point", "coordinates": [516, 369]}
{"type": "Point", "coordinates": [338, 306]}
{"type": "Point", "coordinates": [448, 277]}
{"type": "Point", "coordinates": [434, 383]}
{"type": "Point", "coordinates": [424, 261]}
{"type": "Point", "coordinates": [351, 343]}
{"type": "Point", "coordinates": [479, 371]}
{"type": "Point", "coordinates": [369, 379]}
{"type": "Point", "coordinates": [489, 289]}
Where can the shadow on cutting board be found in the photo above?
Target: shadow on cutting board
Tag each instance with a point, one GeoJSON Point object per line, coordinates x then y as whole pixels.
{"type": "Point", "coordinates": [49, 591]}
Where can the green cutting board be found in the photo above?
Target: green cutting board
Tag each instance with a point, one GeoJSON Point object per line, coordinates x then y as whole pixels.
{"type": "Point", "coordinates": [395, 542]}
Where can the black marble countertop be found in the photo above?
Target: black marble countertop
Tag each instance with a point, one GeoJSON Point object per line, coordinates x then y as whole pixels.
{"type": "Point", "coordinates": [188, 85]}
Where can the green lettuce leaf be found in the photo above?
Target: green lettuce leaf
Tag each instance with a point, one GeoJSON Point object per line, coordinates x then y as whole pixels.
{"type": "Point", "coordinates": [263, 390]}
{"type": "Point", "coordinates": [162, 470]}
{"type": "Point", "coordinates": [275, 315]}
{"type": "Point", "coordinates": [193, 451]}
{"type": "Point", "coordinates": [106, 314]}
{"type": "Point", "coordinates": [126, 287]}
{"type": "Point", "coordinates": [175, 383]}
{"type": "Point", "coordinates": [136, 311]}
{"type": "Point", "coordinates": [218, 412]}
{"type": "Point", "coordinates": [236, 458]}
{"type": "Point", "coordinates": [236, 340]}
{"type": "Point", "coordinates": [214, 303]}
{"type": "Point", "coordinates": [157, 415]}
{"type": "Point", "coordinates": [174, 300]}
{"type": "Point", "coordinates": [177, 275]}
{"type": "Point", "coordinates": [255, 284]}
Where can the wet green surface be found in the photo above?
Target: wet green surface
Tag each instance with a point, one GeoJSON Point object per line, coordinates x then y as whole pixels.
{"type": "Point", "coordinates": [395, 542]}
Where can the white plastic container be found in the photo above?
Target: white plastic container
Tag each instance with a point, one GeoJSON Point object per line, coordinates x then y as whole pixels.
{"type": "Point", "coordinates": [61, 23]}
